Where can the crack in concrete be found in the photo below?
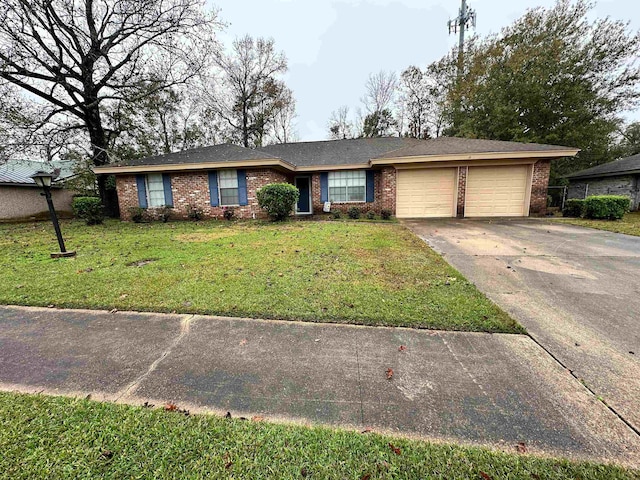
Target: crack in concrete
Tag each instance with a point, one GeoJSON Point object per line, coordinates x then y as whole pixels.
{"type": "Point", "coordinates": [126, 392]}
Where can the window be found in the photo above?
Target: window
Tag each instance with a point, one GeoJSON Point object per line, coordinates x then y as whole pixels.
{"type": "Point", "coordinates": [347, 186]}
{"type": "Point", "coordinates": [155, 190]}
{"type": "Point", "coordinates": [228, 185]}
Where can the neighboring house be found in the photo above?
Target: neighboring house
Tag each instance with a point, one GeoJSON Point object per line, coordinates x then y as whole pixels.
{"type": "Point", "coordinates": [444, 177]}
{"type": "Point", "coordinates": [20, 197]}
{"type": "Point", "coordinates": [621, 177]}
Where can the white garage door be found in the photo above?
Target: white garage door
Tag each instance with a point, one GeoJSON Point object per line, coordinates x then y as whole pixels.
{"type": "Point", "coordinates": [496, 191]}
{"type": "Point", "coordinates": [427, 192]}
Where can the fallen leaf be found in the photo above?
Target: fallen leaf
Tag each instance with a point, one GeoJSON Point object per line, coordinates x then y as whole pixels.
{"type": "Point", "coordinates": [243, 341]}
{"type": "Point", "coordinates": [171, 407]}
{"type": "Point", "coordinates": [366, 476]}
{"type": "Point", "coordinates": [257, 418]}
{"type": "Point", "coordinates": [113, 310]}
{"type": "Point", "coordinates": [228, 465]}
{"type": "Point", "coordinates": [389, 373]}
{"type": "Point", "coordinates": [228, 415]}
{"type": "Point", "coordinates": [402, 348]}
{"type": "Point", "coordinates": [106, 454]}
{"type": "Point", "coordinates": [50, 306]}
{"type": "Point", "coordinates": [485, 476]}
{"type": "Point", "coordinates": [395, 450]}
{"type": "Point", "coordinates": [521, 447]}
{"type": "Point", "coordinates": [147, 405]}
{"type": "Point", "coordinates": [304, 472]}
{"type": "Point", "coordinates": [123, 296]}
{"type": "Point", "coordinates": [366, 430]}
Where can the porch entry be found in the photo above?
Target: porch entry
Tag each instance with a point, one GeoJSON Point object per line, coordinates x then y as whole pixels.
{"type": "Point", "coordinates": [303, 184]}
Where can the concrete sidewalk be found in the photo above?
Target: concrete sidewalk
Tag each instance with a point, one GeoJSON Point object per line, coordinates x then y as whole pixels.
{"type": "Point", "coordinates": [473, 388]}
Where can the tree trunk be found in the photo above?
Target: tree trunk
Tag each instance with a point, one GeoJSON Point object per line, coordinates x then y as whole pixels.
{"type": "Point", "coordinates": [99, 146]}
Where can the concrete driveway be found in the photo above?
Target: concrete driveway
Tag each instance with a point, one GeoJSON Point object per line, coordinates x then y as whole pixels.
{"type": "Point", "coordinates": [576, 290]}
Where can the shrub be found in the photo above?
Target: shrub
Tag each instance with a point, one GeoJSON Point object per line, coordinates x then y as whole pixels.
{"type": "Point", "coordinates": [194, 213]}
{"type": "Point", "coordinates": [574, 207]}
{"type": "Point", "coordinates": [88, 209]}
{"type": "Point", "coordinates": [371, 215]}
{"type": "Point", "coordinates": [336, 214]}
{"type": "Point", "coordinates": [354, 213]}
{"type": "Point", "coordinates": [165, 214]}
{"type": "Point", "coordinates": [228, 213]}
{"type": "Point", "coordinates": [137, 214]}
{"type": "Point", "coordinates": [385, 213]}
{"type": "Point", "coordinates": [278, 199]}
{"type": "Point", "coordinates": [609, 207]}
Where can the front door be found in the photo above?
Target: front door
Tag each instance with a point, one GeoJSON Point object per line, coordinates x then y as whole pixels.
{"type": "Point", "coordinates": [303, 207]}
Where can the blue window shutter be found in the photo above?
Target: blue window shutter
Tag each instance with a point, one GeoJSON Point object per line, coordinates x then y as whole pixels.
{"type": "Point", "coordinates": [371, 187]}
{"type": "Point", "coordinates": [242, 187]}
{"type": "Point", "coordinates": [142, 190]}
{"type": "Point", "coordinates": [324, 187]}
{"type": "Point", "coordinates": [168, 194]}
{"type": "Point", "coordinates": [213, 189]}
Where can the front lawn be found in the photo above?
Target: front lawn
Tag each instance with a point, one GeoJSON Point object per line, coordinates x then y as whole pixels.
{"type": "Point", "coordinates": [374, 274]}
{"type": "Point", "coordinates": [630, 224]}
{"type": "Point", "coordinates": [55, 437]}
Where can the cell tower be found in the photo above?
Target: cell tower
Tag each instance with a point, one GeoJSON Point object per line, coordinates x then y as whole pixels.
{"type": "Point", "coordinates": [466, 19]}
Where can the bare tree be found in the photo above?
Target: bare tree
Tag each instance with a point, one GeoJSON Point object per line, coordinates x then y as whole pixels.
{"type": "Point", "coordinates": [339, 125]}
{"type": "Point", "coordinates": [416, 100]}
{"type": "Point", "coordinates": [253, 94]}
{"type": "Point", "coordinates": [284, 130]}
{"type": "Point", "coordinates": [75, 56]}
{"type": "Point", "coordinates": [381, 89]}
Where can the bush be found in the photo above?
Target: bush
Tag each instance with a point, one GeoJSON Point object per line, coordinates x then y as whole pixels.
{"type": "Point", "coordinates": [574, 207]}
{"type": "Point", "coordinates": [336, 214]}
{"type": "Point", "coordinates": [371, 215]}
{"type": "Point", "coordinates": [278, 199]}
{"type": "Point", "coordinates": [609, 207]}
{"type": "Point", "coordinates": [228, 213]}
{"type": "Point", "coordinates": [354, 213]}
{"type": "Point", "coordinates": [194, 213]}
{"type": "Point", "coordinates": [88, 209]}
{"type": "Point", "coordinates": [165, 214]}
{"type": "Point", "coordinates": [385, 213]}
{"type": "Point", "coordinates": [137, 214]}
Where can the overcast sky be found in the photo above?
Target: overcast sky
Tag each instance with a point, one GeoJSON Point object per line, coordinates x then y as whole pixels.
{"type": "Point", "coordinates": [333, 45]}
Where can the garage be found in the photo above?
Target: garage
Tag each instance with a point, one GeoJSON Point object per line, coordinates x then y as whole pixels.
{"type": "Point", "coordinates": [426, 192]}
{"type": "Point", "coordinates": [497, 191]}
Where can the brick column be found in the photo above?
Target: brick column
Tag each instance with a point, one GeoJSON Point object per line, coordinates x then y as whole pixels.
{"type": "Point", "coordinates": [462, 188]}
{"type": "Point", "coordinates": [539, 187]}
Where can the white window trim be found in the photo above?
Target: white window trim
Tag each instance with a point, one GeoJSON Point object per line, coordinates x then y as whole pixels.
{"type": "Point", "coordinates": [220, 205]}
{"type": "Point", "coordinates": [348, 201]}
{"type": "Point", "coordinates": [148, 194]}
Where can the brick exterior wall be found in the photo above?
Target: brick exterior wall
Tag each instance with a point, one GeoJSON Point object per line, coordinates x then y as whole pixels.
{"type": "Point", "coordinates": [384, 181]}
{"type": "Point", "coordinates": [539, 187]}
{"type": "Point", "coordinates": [462, 189]}
{"type": "Point", "coordinates": [191, 189]}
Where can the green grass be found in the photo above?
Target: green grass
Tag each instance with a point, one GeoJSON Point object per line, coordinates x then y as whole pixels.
{"type": "Point", "coordinates": [365, 273]}
{"type": "Point", "coordinates": [630, 224]}
{"type": "Point", "coordinates": [55, 437]}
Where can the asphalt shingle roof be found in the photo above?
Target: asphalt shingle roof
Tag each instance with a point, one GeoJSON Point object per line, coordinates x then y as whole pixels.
{"type": "Point", "coordinates": [454, 145]}
{"type": "Point", "coordinates": [224, 152]}
{"type": "Point", "coordinates": [18, 172]}
{"type": "Point", "coordinates": [619, 167]}
{"type": "Point", "coordinates": [337, 152]}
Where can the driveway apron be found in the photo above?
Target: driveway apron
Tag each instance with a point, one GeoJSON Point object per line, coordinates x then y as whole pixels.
{"type": "Point", "coordinates": [576, 291]}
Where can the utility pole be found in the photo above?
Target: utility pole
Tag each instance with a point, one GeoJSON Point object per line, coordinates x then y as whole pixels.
{"type": "Point", "coordinates": [466, 19]}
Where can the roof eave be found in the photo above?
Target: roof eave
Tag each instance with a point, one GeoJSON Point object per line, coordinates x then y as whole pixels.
{"type": "Point", "coordinates": [598, 175]}
{"type": "Point", "coordinates": [475, 156]}
{"type": "Point", "coordinates": [175, 167]}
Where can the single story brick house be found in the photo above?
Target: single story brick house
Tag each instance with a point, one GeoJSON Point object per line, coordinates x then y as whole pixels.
{"type": "Point", "coordinates": [443, 177]}
{"type": "Point", "coordinates": [621, 177]}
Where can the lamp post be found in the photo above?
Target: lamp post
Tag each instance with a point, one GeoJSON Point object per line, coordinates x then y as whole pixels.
{"type": "Point", "coordinates": [43, 180]}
